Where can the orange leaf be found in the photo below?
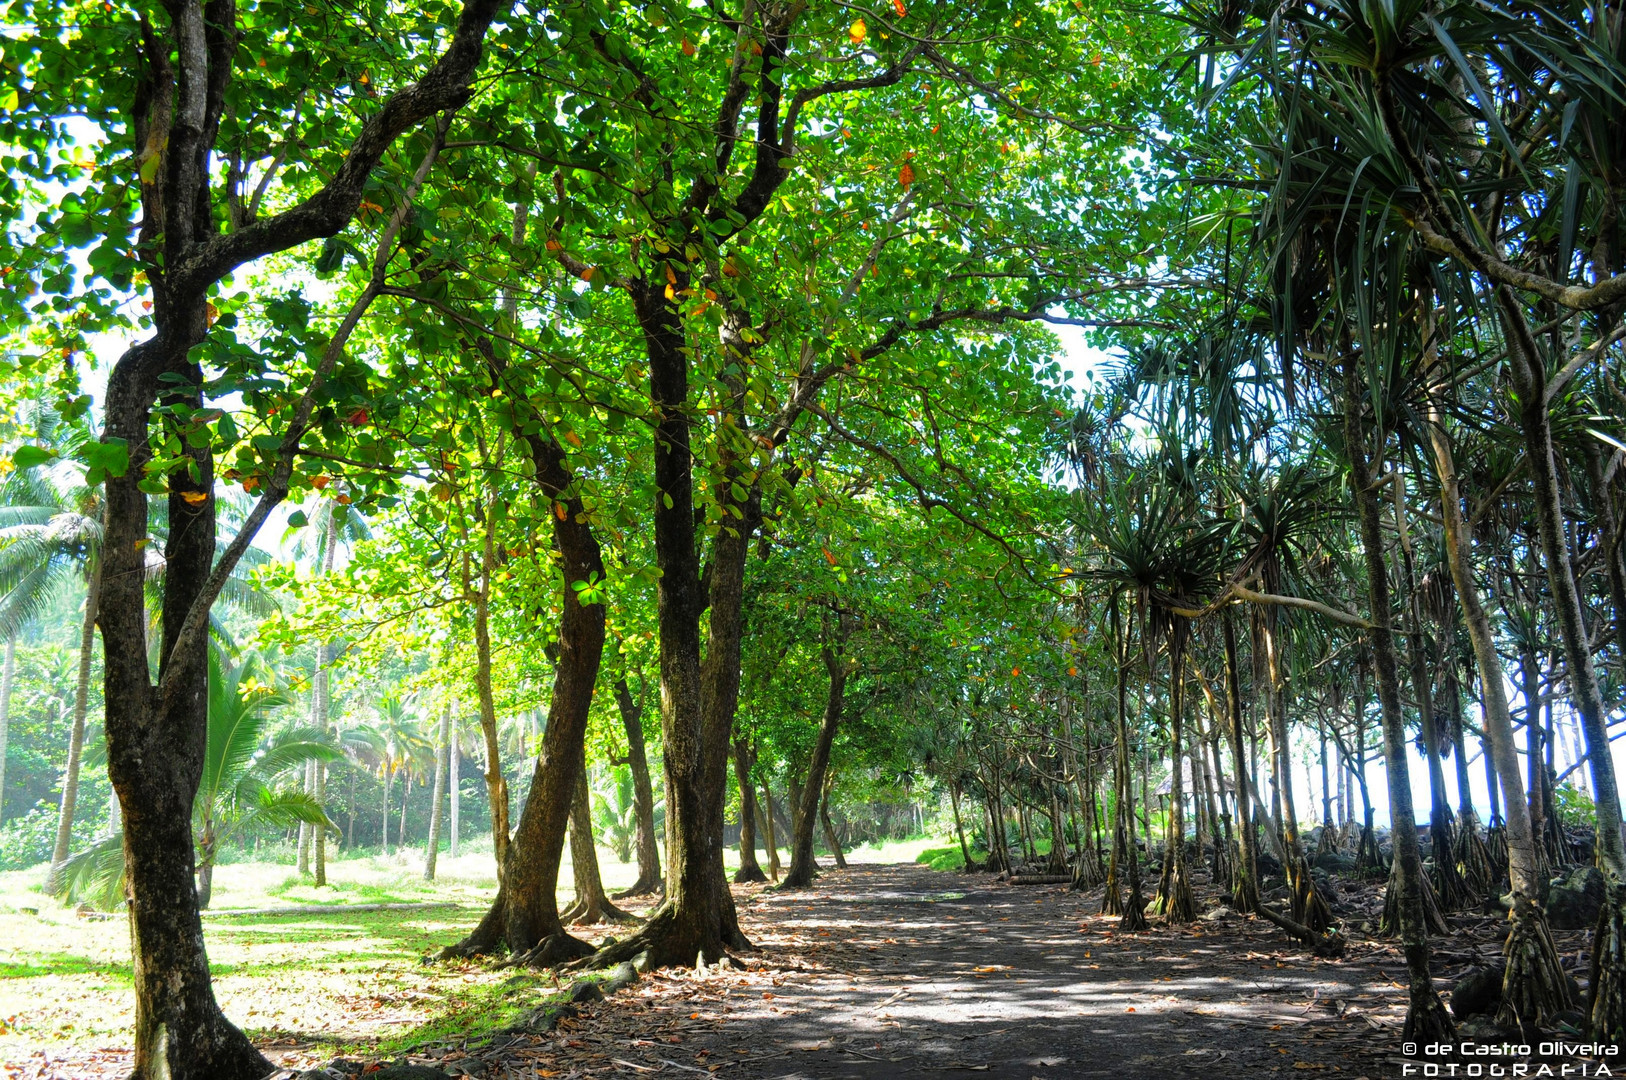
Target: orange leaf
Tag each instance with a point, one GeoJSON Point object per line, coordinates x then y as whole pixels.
{"type": "Point", "coordinates": [194, 497]}
{"type": "Point", "coordinates": [831, 559]}
{"type": "Point", "coordinates": [1072, 671]}
{"type": "Point", "coordinates": [573, 439]}
{"type": "Point", "coordinates": [906, 175]}
{"type": "Point", "coordinates": [587, 275]}
{"type": "Point", "coordinates": [688, 47]}
{"type": "Point", "coordinates": [554, 245]}
{"type": "Point", "coordinates": [560, 512]}
{"type": "Point", "coordinates": [250, 483]}
{"type": "Point", "coordinates": [1016, 671]}
{"type": "Point", "coordinates": [858, 31]}
{"type": "Point", "coordinates": [897, 5]}
{"type": "Point", "coordinates": [319, 482]}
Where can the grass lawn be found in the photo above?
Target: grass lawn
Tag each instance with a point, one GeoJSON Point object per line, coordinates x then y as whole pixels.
{"type": "Point", "coordinates": [351, 979]}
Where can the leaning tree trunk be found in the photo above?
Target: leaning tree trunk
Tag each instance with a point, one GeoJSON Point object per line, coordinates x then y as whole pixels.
{"type": "Point", "coordinates": [525, 914]}
{"type": "Point", "coordinates": [76, 735]}
{"type": "Point", "coordinates": [802, 866]}
{"type": "Point", "coordinates": [7, 673]}
{"type": "Point", "coordinates": [1426, 1018]}
{"type": "Point", "coordinates": [643, 794]}
{"type": "Point", "coordinates": [1607, 1007]}
{"type": "Point", "coordinates": [1534, 986]}
{"type": "Point", "coordinates": [830, 836]}
{"type": "Point", "coordinates": [592, 905]}
{"type": "Point", "coordinates": [442, 748]}
{"type": "Point", "coordinates": [750, 869]}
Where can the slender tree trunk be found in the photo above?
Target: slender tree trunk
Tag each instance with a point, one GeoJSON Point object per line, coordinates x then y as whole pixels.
{"type": "Point", "coordinates": [1133, 915]}
{"type": "Point", "coordinates": [643, 795]}
{"type": "Point", "coordinates": [829, 829]}
{"type": "Point", "coordinates": [769, 831]}
{"type": "Point", "coordinates": [389, 775]}
{"type": "Point", "coordinates": [592, 905]}
{"type": "Point", "coordinates": [320, 711]}
{"type": "Point", "coordinates": [802, 864]}
{"type": "Point", "coordinates": [1534, 986]}
{"type": "Point", "coordinates": [7, 674]}
{"type": "Point", "coordinates": [432, 850]}
{"type": "Point", "coordinates": [1245, 897]}
{"type": "Point", "coordinates": [959, 826]}
{"type": "Point", "coordinates": [76, 737]}
{"type": "Point", "coordinates": [750, 869]}
{"type": "Point", "coordinates": [1426, 1018]}
{"type": "Point", "coordinates": [406, 802]}
{"type": "Point", "coordinates": [454, 755]}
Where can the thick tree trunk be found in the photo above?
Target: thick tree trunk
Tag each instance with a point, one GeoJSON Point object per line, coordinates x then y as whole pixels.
{"type": "Point", "coordinates": [1426, 1018]}
{"type": "Point", "coordinates": [442, 747]}
{"type": "Point", "coordinates": [525, 915]}
{"type": "Point", "coordinates": [76, 735]}
{"type": "Point", "coordinates": [643, 794]}
{"type": "Point", "coordinates": [802, 865]}
{"type": "Point", "coordinates": [750, 869]}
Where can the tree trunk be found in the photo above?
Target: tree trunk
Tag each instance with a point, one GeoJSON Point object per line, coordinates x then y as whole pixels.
{"type": "Point", "coordinates": [454, 755]}
{"type": "Point", "coordinates": [802, 865]}
{"type": "Point", "coordinates": [643, 795]}
{"type": "Point", "coordinates": [525, 914]}
{"type": "Point", "coordinates": [76, 737]}
{"type": "Point", "coordinates": [7, 674]}
{"type": "Point", "coordinates": [432, 850]}
{"type": "Point", "coordinates": [829, 829]}
{"type": "Point", "coordinates": [1245, 897]}
{"type": "Point", "coordinates": [320, 709]}
{"type": "Point", "coordinates": [389, 776]}
{"type": "Point", "coordinates": [591, 905]}
{"type": "Point", "coordinates": [959, 827]}
{"type": "Point", "coordinates": [1426, 1018]}
{"type": "Point", "coordinates": [1178, 904]}
{"type": "Point", "coordinates": [750, 869]}
{"type": "Point", "coordinates": [1133, 915]}
{"type": "Point", "coordinates": [769, 830]}
{"type": "Point", "coordinates": [406, 802]}
{"type": "Point", "coordinates": [1534, 987]}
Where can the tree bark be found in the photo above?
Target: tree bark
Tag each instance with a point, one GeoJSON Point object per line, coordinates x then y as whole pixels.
{"type": "Point", "coordinates": [1426, 1018]}
{"type": "Point", "coordinates": [643, 795]}
{"type": "Point", "coordinates": [454, 754]}
{"type": "Point", "coordinates": [750, 869]}
{"type": "Point", "coordinates": [802, 865]}
{"type": "Point", "coordinates": [320, 706]}
{"type": "Point", "coordinates": [1245, 897]}
{"type": "Point", "coordinates": [768, 830]}
{"type": "Point", "coordinates": [829, 829]}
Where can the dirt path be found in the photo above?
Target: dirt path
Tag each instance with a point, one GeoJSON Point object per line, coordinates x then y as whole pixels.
{"type": "Point", "coordinates": [885, 970]}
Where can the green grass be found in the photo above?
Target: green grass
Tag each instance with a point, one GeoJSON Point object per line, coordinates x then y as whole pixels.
{"type": "Point", "coordinates": [948, 858]}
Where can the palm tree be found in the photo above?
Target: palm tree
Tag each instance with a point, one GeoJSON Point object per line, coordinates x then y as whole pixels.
{"type": "Point", "coordinates": [402, 749]}
{"type": "Point", "coordinates": [239, 791]}
{"type": "Point", "coordinates": [50, 534]}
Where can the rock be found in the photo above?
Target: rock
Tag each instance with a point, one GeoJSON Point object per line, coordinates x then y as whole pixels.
{"type": "Point", "coordinates": [403, 1071]}
{"type": "Point", "coordinates": [545, 1019]}
{"type": "Point", "coordinates": [1485, 1031]}
{"type": "Point", "coordinates": [1479, 992]}
{"type": "Point", "coordinates": [584, 991]}
{"type": "Point", "coordinates": [621, 977]}
{"type": "Point", "coordinates": [1573, 902]}
{"type": "Point", "coordinates": [640, 963]}
{"type": "Point", "coordinates": [1334, 863]}
{"type": "Point", "coordinates": [1216, 914]}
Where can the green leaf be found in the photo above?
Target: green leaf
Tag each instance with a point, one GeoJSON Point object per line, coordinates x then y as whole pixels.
{"type": "Point", "coordinates": [298, 520]}
{"type": "Point", "coordinates": [111, 456]}
{"type": "Point", "coordinates": [26, 457]}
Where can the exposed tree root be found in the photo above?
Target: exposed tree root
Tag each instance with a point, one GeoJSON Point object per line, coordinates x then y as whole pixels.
{"type": "Point", "coordinates": [749, 875]}
{"type": "Point", "coordinates": [552, 951]}
{"type": "Point", "coordinates": [1433, 921]}
{"type": "Point", "coordinates": [1367, 855]}
{"type": "Point", "coordinates": [1471, 856]}
{"type": "Point", "coordinates": [1496, 848]}
{"type": "Point", "coordinates": [646, 887]}
{"type": "Point", "coordinates": [1112, 901]}
{"type": "Point", "coordinates": [485, 939]}
{"type": "Point", "coordinates": [1329, 943]}
{"type": "Point", "coordinates": [1534, 986]}
{"type": "Point", "coordinates": [1179, 906]}
{"type": "Point", "coordinates": [1426, 1018]}
{"type": "Point", "coordinates": [1606, 998]}
{"type": "Point", "coordinates": [582, 913]}
{"type": "Point", "coordinates": [1308, 905]}
{"type": "Point", "coordinates": [1133, 916]}
{"type": "Point", "coordinates": [1451, 891]}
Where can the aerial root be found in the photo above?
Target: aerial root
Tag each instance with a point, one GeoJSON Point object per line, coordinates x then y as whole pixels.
{"type": "Point", "coordinates": [1534, 986]}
